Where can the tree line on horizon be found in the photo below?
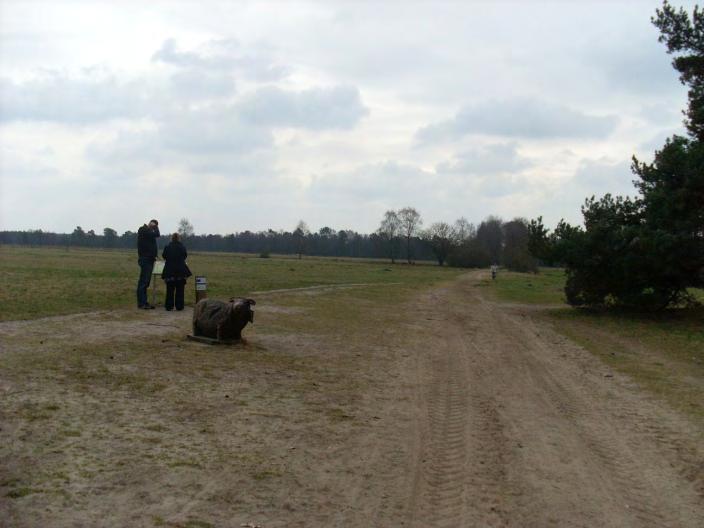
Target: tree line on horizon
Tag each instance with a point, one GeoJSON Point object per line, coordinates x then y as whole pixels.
{"type": "Point", "coordinates": [461, 244]}
{"type": "Point", "coordinates": [399, 237]}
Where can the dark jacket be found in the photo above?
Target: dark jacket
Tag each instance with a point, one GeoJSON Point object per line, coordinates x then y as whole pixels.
{"type": "Point", "coordinates": [146, 242]}
{"type": "Point", "coordinates": [175, 267]}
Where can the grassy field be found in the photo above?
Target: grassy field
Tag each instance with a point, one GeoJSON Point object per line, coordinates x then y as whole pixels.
{"type": "Point", "coordinates": [47, 281]}
{"type": "Point", "coordinates": [664, 352]}
{"type": "Point", "coordinates": [545, 287]}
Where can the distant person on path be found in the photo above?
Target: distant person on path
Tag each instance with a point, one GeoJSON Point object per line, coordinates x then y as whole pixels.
{"type": "Point", "coordinates": [147, 253]}
{"type": "Point", "coordinates": [494, 269]}
{"type": "Point", "coordinates": [175, 272]}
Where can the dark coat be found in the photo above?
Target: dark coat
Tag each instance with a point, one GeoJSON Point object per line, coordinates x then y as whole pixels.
{"type": "Point", "coordinates": [146, 241]}
{"type": "Point", "coordinates": [175, 266]}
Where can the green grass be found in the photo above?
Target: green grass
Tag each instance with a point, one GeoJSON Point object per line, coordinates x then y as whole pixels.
{"type": "Point", "coordinates": [545, 287]}
{"type": "Point", "coordinates": [52, 281]}
{"type": "Point", "coordinates": [195, 523]}
{"type": "Point", "coordinates": [18, 493]}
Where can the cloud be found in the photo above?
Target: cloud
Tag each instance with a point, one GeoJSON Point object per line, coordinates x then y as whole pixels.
{"type": "Point", "coordinates": [337, 107]}
{"type": "Point", "coordinates": [386, 181]}
{"type": "Point", "coordinates": [519, 118]}
{"type": "Point", "coordinates": [600, 176]}
{"type": "Point", "coordinates": [662, 113]}
{"type": "Point", "coordinates": [223, 55]}
{"type": "Point", "coordinates": [639, 65]}
{"type": "Point", "coordinates": [212, 130]}
{"type": "Point", "coordinates": [193, 85]}
{"type": "Point", "coordinates": [473, 174]}
{"type": "Point", "coordinates": [60, 98]}
{"type": "Point", "coordinates": [487, 160]}
{"type": "Point", "coordinates": [95, 96]}
{"type": "Point", "coordinates": [211, 139]}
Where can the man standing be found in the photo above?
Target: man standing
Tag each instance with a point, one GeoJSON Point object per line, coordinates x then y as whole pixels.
{"type": "Point", "coordinates": [147, 252]}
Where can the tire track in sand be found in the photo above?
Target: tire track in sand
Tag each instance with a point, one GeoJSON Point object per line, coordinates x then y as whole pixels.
{"type": "Point", "coordinates": [518, 428]}
{"type": "Point", "coordinates": [460, 478]}
{"type": "Point", "coordinates": [439, 492]}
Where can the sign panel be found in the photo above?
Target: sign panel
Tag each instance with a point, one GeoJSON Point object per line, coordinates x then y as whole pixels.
{"type": "Point", "coordinates": [201, 283]}
{"type": "Point", "coordinates": [158, 267]}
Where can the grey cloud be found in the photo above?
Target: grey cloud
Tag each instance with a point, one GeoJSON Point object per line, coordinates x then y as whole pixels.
{"type": "Point", "coordinates": [602, 176]}
{"type": "Point", "coordinates": [203, 133]}
{"type": "Point", "coordinates": [520, 117]}
{"type": "Point", "coordinates": [128, 153]}
{"type": "Point", "coordinates": [394, 182]}
{"type": "Point", "coordinates": [212, 140]}
{"type": "Point", "coordinates": [194, 85]}
{"type": "Point", "coordinates": [592, 177]}
{"type": "Point", "coordinates": [637, 65]}
{"type": "Point", "coordinates": [662, 113]}
{"type": "Point", "coordinates": [170, 55]}
{"type": "Point", "coordinates": [375, 187]}
{"type": "Point", "coordinates": [95, 97]}
{"type": "Point", "coordinates": [223, 55]}
{"type": "Point", "coordinates": [57, 97]}
{"type": "Point", "coordinates": [338, 107]}
{"type": "Point", "coordinates": [490, 171]}
{"type": "Point", "coordinates": [658, 140]}
{"type": "Point", "coordinates": [499, 185]}
{"type": "Point", "coordinates": [212, 130]}
{"type": "Point", "coordinates": [387, 182]}
{"type": "Point", "coordinates": [487, 160]}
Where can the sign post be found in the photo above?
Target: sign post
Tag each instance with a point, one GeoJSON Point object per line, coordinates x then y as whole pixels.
{"type": "Point", "coordinates": [201, 288]}
{"type": "Point", "coordinates": [156, 274]}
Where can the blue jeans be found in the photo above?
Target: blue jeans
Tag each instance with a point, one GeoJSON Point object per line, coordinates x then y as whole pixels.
{"type": "Point", "coordinates": [146, 266]}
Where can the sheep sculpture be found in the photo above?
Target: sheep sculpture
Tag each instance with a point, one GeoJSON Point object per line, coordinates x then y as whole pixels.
{"type": "Point", "coordinates": [220, 320]}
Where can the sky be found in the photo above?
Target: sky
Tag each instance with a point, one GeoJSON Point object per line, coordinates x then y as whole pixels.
{"type": "Point", "coordinates": [255, 115]}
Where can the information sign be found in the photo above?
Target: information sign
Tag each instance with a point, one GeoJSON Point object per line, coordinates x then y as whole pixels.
{"type": "Point", "coordinates": [158, 267]}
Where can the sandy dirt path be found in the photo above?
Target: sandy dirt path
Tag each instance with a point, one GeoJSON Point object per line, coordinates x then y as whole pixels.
{"type": "Point", "coordinates": [453, 411]}
{"type": "Point", "coordinates": [523, 428]}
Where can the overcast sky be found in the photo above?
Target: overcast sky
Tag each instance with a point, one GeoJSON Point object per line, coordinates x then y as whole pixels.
{"type": "Point", "coordinates": [254, 115]}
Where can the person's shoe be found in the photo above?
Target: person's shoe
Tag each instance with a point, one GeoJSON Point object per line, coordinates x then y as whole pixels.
{"type": "Point", "coordinates": [148, 307]}
{"type": "Point", "coordinates": [167, 309]}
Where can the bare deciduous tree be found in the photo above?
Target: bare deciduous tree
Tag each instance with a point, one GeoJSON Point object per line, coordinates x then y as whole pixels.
{"type": "Point", "coordinates": [389, 230]}
{"type": "Point", "coordinates": [490, 236]}
{"type": "Point", "coordinates": [516, 256]}
{"type": "Point", "coordinates": [441, 237]}
{"type": "Point", "coordinates": [464, 230]}
{"type": "Point", "coordinates": [410, 224]}
{"type": "Point", "coordinates": [299, 236]}
{"type": "Point", "coordinates": [185, 228]}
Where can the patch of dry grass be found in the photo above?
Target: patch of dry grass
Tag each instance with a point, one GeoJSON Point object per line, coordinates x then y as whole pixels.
{"type": "Point", "coordinates": [664, 353]}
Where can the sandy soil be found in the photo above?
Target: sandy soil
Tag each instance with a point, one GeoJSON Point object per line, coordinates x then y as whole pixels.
{"type": "Point", "coordinates": [453, 411]}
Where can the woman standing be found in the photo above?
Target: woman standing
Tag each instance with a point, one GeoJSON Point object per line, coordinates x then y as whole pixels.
{"type": "Point", "coordinates": [175, 272]}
